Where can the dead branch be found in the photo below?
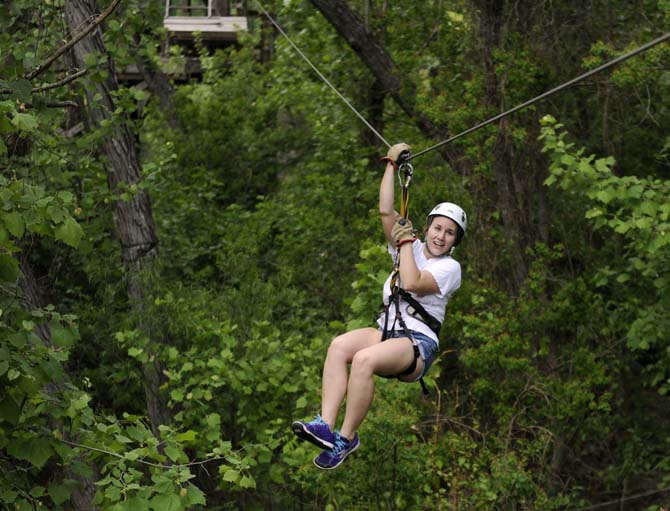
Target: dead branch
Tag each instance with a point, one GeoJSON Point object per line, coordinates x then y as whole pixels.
{"type": "Point", "coordinates": [61, 104]}
{"type": "Point", "coordinates": [53, 85]}
{"type": "Point", "coordinates": [75, 39]}
{"type": "Point", "coordinates": [53, 104]}
{"type": "Point", "coordinates": [60, 83]}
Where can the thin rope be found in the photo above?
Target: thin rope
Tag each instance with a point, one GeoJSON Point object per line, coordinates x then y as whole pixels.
{"type": "Point", "coordinates": [609, 64]}
{"type": "Point", "coordinates": [267, 15]}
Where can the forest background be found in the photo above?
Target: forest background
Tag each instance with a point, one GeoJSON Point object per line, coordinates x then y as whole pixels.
{"type": "Point", "coordinates": [176, 255]}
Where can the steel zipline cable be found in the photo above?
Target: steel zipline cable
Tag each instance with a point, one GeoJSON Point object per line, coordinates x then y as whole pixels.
{"type": "Point", "coordinates": [521, 106]}
{"type": "Point", "coordinates": [346, 101]}
{"type": "Point", "coordinates": [544, 95]}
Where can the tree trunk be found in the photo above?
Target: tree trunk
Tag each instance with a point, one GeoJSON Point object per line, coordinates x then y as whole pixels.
{"type": "Point", "coordinates": [520, 199]}
{"type": "Point", "coordinates": [508, 195]}
{"type": "Point", "coordinates": [34, 296]}
{"type": "Point", "coordinates": [133, 218]}
{"type": "Point", "coordinates": [387, 74]}
{"type": "Point", "coordinates": [157, 82]}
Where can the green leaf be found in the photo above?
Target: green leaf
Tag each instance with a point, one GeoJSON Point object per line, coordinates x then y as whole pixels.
{"type": "Point", "coordinates": [70, 232]}
{"type": "Point", "coordinates": [623, 277]}
{"type": "Point", "coordinates": [585, 167]}
{"type": "Point", "coordinates": [82, 469]}
{"type": "Point", "coordinates": [65, 196]}
{"type": "Point", "coordinates": [24, 122]}
{"type": "Point", "coordinates": [34, 450]}
{"type": "Point", "coordinates": [213, 420]}
{"type": "Point", "coordinates": [231, 476]}
{"type": "Point", "coordinates": [59, 492]}
{"type": "Point", "coordinates": [194, 495]}
{"type": "Point", "coordinates": [134, 503]}
{"type": "Point", "coordinates": [568, 160]}
{"type": "Point", "coordinates": [248, 482]}
{"type": "Point", "coordinates": [4, 236]}
{"type": "Point", "coordinates": [56, 214]}
{"type": "Point", "coordinates": [133, 455]}
{"type": "Point", "coordinates": [80, 402]}
{"type": "Point", "coordinates": [90, 59]}
{"type": "Point", "coordinates": [187, 436]}
{"type": "Point", "coordinates": [169, 502]}
{"type": "Point", "coordinates": [604, 196]}
{"type": "Point", "coordinates": [135, 352]}
{"type": "Point", "coordinates": [10, 410]}
{"type": "Point", "coordinates": [62, 336]}
{"type": "Point", "coordinates": [9, 268]}
{"type": "Point", "coordinates": [52, 369]}
{"type": "Point", "coordinates": [37, 491]}
{"type": "Point", "coordinates": [603, 164]}
{"type": "Point", "coordinates": [9, 496]}
{"type": "Point", "coordinates": [176, 394]}
{"type": "Point", "coordinates": [21, 89]}
{"type": "Point", "coordinates": [175, 453]}
{"type": "Point", "coordinates": [15, 223]}
{"type": "Point", "coordinates": [137, 433]}
{"type": "Point", "coordinates": [649, 208]}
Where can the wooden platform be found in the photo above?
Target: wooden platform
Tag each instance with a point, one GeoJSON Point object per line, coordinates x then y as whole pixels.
{"type": "Point", "coordinates": [222, 28]}
{"type": "Point", "coordinates": [130, 74]}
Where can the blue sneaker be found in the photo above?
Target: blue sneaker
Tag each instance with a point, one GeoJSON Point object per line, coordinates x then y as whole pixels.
{"type": "Point", "coordinates": [329, 460]}
{"type": "Point", "coordinates": [316, 432]}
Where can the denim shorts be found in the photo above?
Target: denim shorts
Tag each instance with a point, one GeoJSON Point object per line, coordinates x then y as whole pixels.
{"type": "Point", "coordinates": [427, 348]}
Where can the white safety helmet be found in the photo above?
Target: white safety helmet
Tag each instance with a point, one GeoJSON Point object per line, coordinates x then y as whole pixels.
{"type": "Point", "coordinates": [453, 212]}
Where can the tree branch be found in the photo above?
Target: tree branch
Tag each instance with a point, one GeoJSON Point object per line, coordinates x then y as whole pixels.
{"type": "Point", "coordinates": [382, 66]}
{"type": "Point", "coordinates": [75, 39]}
{"type": "Point", "coordinates": [49, 86]}
{"type": "Point", "coordinates": [54, 104]}
{"type": "Point", "coordinates": [61, 104]}
{"type": "Point", "coordinates": [157, 465]}
{"type": "Point", "coordinates": [60, 83]}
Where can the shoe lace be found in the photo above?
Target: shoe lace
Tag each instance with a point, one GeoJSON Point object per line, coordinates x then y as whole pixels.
{"type": "Point", "coordinates": [339, 446]}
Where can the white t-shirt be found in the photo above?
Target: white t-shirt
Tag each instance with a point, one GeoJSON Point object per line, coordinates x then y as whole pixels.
{"type": "Point", "coordinates": [447, 274]}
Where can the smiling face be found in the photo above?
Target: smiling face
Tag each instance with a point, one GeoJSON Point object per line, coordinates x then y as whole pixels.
{"type": "Point", "coordinates": [440, 236]}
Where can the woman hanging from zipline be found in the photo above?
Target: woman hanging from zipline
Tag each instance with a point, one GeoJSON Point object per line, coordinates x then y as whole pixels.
{"type": "Point", "coordinates": [405, 343]}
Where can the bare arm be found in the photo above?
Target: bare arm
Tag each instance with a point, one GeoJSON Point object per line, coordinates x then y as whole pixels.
{"type": "Point", "coordinates": [389, 215]}
{"type": "Point", "coordinates": [413, 279]}
{"type": "Point", "coordinates": [420, 282]}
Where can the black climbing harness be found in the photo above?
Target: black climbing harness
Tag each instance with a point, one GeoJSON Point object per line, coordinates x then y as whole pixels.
{"type": "Point", "coordinates": [396, 294]}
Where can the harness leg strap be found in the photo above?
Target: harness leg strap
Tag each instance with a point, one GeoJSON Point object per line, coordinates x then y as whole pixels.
{"type": "Point", "coordinates": [395, 298]}
{"type": "Point", "coordinates": [411, 369]}
{"type": "Point", "coordinates": [412, 366]}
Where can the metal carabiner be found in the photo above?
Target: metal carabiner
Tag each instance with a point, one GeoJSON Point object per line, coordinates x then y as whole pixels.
{"type": "Point", "coordinates": [406, 169]}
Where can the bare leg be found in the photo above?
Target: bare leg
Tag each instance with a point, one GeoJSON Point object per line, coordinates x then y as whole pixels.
{"type": "Point", "coordinates": [335, 369]}
{"type": "Point", "coordinates": [389, 357]}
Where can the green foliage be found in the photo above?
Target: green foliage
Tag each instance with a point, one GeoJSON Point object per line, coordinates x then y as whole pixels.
{"type": "Point", "coordinates": [269, 245]}
{"type": "Point", "coordinates": [28, 208]}
{"type": "Point", "coordinates": [635, 212]}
